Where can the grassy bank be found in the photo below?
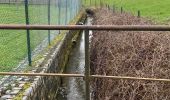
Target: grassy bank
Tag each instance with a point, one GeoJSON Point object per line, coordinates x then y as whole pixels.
{"type": "Point", "coordinates": [157, 10]}
{"type": "Point", "coordinates": [13, 45]}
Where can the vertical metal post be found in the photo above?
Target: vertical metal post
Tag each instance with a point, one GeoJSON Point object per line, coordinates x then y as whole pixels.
{"type": "Point", "coordinates": [90, 2]}
{"type": "Point", "coordinates": [121, 10]}
{"type": "Point", "coordinates": [87, 65]}
{"type": "Point", "coordinates": [113, 8]}
{"type": "Point", "coordinates": [28, 33]}
{"type": "Point", "coordinates": [81, 4]}
{"type": "Point", "coordinates": [70, 10]}
{"type": "Point", "coordinates": [100, 3]}
{"type": "Point", "coordinates": [66, 14]}
{"type": "Point", "coordinates": [95, 3]}
{"type": "Point", "coordinates": [59, 13]}
{"type": "Point", "coordinates": [76, 8]}
{"type": "Point", "coordinates": [78, 5]}
{"type": "Point", "coordinates": [139, 14]}
{"type": "Point", "coordinates": [86, 3]}
{"type": "Point", "coordinates": [49, 40]}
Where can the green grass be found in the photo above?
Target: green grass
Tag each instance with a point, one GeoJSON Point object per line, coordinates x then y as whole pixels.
{"type": "Point", "coordinates": [157, 10]}
{"type": "Point", "coordinates": [13, 46]}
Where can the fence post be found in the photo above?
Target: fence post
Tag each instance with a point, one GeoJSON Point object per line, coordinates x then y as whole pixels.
{"type": "Point", "coordinates": [81, 4]}
{"type": "Point", "coordinates": [95, 3]}
{"type": "Point", "coordinates": [100, 3]}
{"type": "Point", "coordinates": [90, 2]}
{"type": "Point", "coordinates": [49, 22]}
{"type": "Point", "coordinates": [87, 65]}
{"type": "Point", "coordinates": [70, 8]}
{"type": "Point", "coordinates": [138, 13]}
{"type": "Point", "coordinates": [121, 10]}
{"type": "Point", "coordinates": [76, 7]}
{"type": "Point", "coordinates": [59, 11]}
{"type": "Point", "coordinates": [113, 8]}
{"type": "Point", "coordinates": [28, 33]}
{"type": "Point", "coordinates": [66, 14]}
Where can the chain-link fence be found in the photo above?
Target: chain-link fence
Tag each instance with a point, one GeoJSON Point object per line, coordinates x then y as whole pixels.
{"type": "Point", "coordinates": [19, 47]}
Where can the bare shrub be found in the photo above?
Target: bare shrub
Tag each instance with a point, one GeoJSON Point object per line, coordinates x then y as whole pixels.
{"type": "Point", "coordinates": [136, 54]}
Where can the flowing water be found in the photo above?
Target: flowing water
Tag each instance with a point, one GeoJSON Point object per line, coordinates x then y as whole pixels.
{"type": "Point", "coordinates": [74, 88]}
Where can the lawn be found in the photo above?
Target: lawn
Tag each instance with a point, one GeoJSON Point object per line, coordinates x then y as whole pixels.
{"type": "Point", "coordinates": [13, 46]}
{"type": "Point", "coordinates": [157, 10]}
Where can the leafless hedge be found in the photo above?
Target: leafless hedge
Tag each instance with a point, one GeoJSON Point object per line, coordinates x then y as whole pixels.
{"type": "Point", "coordinates": [136, 54]}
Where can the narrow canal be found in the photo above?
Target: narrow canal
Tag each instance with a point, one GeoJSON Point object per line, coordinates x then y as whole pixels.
{"type": "Point", "coordinates": [74, 88]}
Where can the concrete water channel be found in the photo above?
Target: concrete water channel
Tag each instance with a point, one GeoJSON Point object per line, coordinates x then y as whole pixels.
{"type": "Point", "coordinates": [74, 88]}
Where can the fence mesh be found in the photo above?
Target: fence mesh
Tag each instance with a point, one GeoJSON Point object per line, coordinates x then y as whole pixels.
{"type": "Point", "coordinates": [14, 43]}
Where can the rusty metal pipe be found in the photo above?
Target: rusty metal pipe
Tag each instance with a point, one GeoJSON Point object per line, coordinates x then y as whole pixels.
{"type": "Point", "coordinates": [81, 75]}
{"type": "Point", "coordinates": [129, 78]}
{"type": "Point", "coordinates": [88, 27]}
{"type": "Point", "coordinates": [41, 74]}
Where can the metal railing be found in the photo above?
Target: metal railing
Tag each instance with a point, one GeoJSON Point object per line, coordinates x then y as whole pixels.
{"type": "Point", "coordinates": [86, 28]}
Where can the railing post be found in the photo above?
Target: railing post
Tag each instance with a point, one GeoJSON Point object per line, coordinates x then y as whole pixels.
{"type": "Point", "coordinates": [87, 65]}
{"type": "Point", "coordinates": [28, 32]}
{"type": "Point", "coordinates": [49, 21]}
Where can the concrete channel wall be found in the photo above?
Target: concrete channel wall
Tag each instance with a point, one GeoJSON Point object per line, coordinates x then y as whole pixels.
{"type": "Point", "coordinates": [45, 88]}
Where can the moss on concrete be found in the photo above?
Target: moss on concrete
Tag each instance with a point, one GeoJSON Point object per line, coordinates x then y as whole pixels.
{"type": "Point", "coordinates": [21, 93]}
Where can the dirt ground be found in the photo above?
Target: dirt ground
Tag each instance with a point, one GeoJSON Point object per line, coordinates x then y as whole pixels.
{"type": "Point", "coordinates": [135, 54]}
